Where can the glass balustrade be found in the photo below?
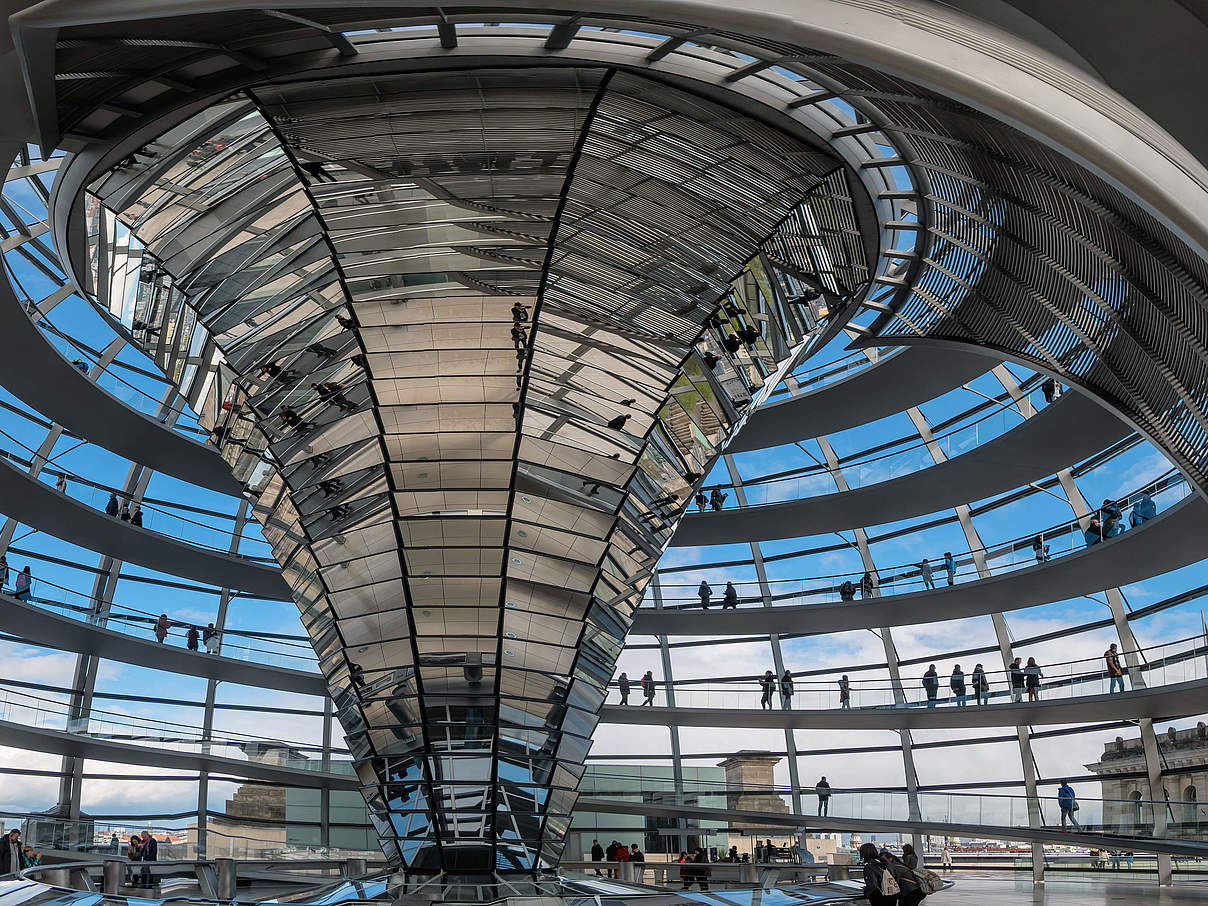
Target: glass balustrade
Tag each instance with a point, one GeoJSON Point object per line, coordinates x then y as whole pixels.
{"type": "Point", "coordinates": [1000, 558]}
{"type": "Point", "coordinates": [1181, 661]}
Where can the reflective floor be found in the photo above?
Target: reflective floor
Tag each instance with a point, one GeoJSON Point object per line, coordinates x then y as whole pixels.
{"type": "Point", "coordinates": [1017, 892]}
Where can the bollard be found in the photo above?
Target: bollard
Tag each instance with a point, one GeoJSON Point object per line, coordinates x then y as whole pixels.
{"type": "Point", "coordinates": [56, 877]}
{"type": "Point", "coordinates": [626, 871]}
{"type": "Point", "coordinates": [114, 874]}
{"type": "Point", "coordinates": [746, 873]}
{"type": "Point", "coordinates": [227, 877]}
{"type": "Point", "coordinates": [355, 868]}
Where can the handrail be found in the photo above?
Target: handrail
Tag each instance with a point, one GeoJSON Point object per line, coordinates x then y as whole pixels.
{"type": "Point", "coordinates": [91, 500]}
{"type": "Point", "coordinates": [35, 710]}
{"type": "Point", "coordinates": [915, 445]}
{"type": "Point", "coordinates": [1067, 679]}
{"type": "Point", "coordinates": [910, 574]}
{"type": "Point", "coordinates": [302, 656]}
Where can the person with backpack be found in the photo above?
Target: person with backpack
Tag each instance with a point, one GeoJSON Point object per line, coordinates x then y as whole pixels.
{"type": "Point", "coordinates": [931, 685]}
{"type": "Point", "coordinates": [768, 685]}
{"type": "Point", "coordinates": [729, 600]}
{"type": "Point", "coordinates": [1112, 659]}
{"type": "Point", "coordinates": [981, 686]}
{"type": "Point", "coordinates": [847, 591]}
{"type": "Point", "coordinates": [1068, 803]}
{"type": "Point", "coordinates": [881, 886]}
{"type": "Point", "coordinates": [786, 691]}
{"type": "Point", "coordinates": [844, 693]}
{"type": "Point", "coordinates": [648, 689]}
{"type": "Point", "coordinates": [705, 593]}
{"type": "Point", "coordinates": [957, 685]}
{"type": "Point", "coordinates": [912, 890]}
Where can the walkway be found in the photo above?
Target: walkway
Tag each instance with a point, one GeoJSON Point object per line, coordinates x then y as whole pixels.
{"type": "Point", "coordinates": [1172, 540]}
{"type": "Point", "coordinates": [76, 745]}
{"type": "Point", "coordinates": [901, 380]}
{"type": "Point", "coordinates": [42, 507]}
{"type": "Point", "coordinates": [1157, 702]}
{"type": "Point", "coordinates": [45, 627]}
{"type": "Point", "coordinates": [34, 371]}
{"type": "Point", "coordinates": [726, 817]}
{"type": "Point", "coordinates": [1060, 435]}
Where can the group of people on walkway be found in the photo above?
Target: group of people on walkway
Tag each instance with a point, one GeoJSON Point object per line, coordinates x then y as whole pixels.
{"type": "Point", "coordinates": [889, 879]}
{"type": "Point", "coordinates": [208, 636]}
{"type": "Point", "coordinates": [123, 512]}
{"type": "Point", "coordinates": [1107, 521]}
{"type": "Point", "coordinates": [768, 684]}
{"type": "Point", "coordinates": [142, 848]}
{"type": "Point", "coordinates": [714, 501]}
{"type": "Point", "coordinates": [960, 686]}
{"type": "Point", "coordinates": [647, 683]}
{"type": "Point", "coordinates": [729, 598]}
{"type": "Point", "coordinates": [23, 584]}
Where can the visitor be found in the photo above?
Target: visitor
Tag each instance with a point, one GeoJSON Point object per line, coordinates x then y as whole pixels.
{"type": "Point", "coordinates": [611, 852]}
{"type": "Point", "coordinates": [597, 853]}
{"type": "Point", "coordinates": [716, 499]}
{"type": "Point", "coordinates": [161, 628]}
{"type": "Point", "coordinates": [823, 789]}
{"type": "Point", "coordinates": [729, 598]}
{"type": "Point", "coordinates": [1116, 675]}
{"type": "Point", "coordinates": [112, 506]}
{"type": "Point", "coordinates": [636, 855]}
{"type": "Point", "coordinates": [648, 689]}
{"type": "Point", "coordinates": [957, 683]}
{"type": "Point", "coordinates": [844, 693]}
{"type": "Point", "coordinates": [1128, 860]}
{"type": "Point", "coordinates": [768, 685]}
{"type": "Point", "coordinates": [622, 852]}
{"type": "Point", "coordinates": [911, 890]}
{"type": "Point", "coordinates": [847, 591]}
{"type": "Point", "coordinates": [1143, 509]}
{"type": "Point", "coordinates": [134, 853]}
{"type": "Point", "coordinates": [881, 885]}
{"type": "Point", "coordinates": [1068, 803]}
{"type": "Point", "coordinates": [981, 686]}
{"type": "Point", "coordinates": [931, 685]}
{"type": "Point", "coordinates": [925, 572]}
{"type": "Point", "coordinates": [786, 691]}
{"type": "Point", "coordinates": [685, 873]}
{"type": "Point", "coordinates": [61, 483]}
{"type": "Point", "coordinates": [29, 858]}
{"type": "Point", "coordinates": [124, 513]}
{"type": "Point", "coordinates": [114, 843]}
{"type": "Point", "coordinates": [1049, 388]}
{"type": "Point", "coordinates": [950, 567]}
{"type": "Point", "coordinates": [136, 517]}
{"type": "Point", "coordinates": [1033, 675]}
{"type": "Point", "coordinates": [705, 592]}
{"type": "Point", "coordinates": [700, 857]}
{"type": "Point", "coordinates": [24, 584]}
{"type": "Point", "coordinates": [1109, 517]}
{"type": "Point", "coordinates": [191, 638]}
{"type": "Point", "coordinates": [732, 855]}
{"type": "Point", "coordinates": [623, 684]}
{"type": "Point", "coordinates": [10, 852]}
{"type": "Point", "coordinates": [946, 856]}
{"type": "Point", "coordinates": [1017, 680]}
{"type": "Point", "coordinates": [867, 585]}
{"type": "Point", "coordinates": [3, 571]}
{"type": "Point", "coordinates": [80, 365]}
{"type": "Point", "coordinates": [150, 854]}
{"type": "Point", "coordinates": [1094, 531]}
{"type": "Point", "coordinates": [520, 312]}
{"type": "Point", "coordinates": [910, 858]}
{"type": "Point", "coordinates": [701, 501]}
{"type": "Point", "coordinates": [209, 638]}
{"type": "Point", "coordinates": [1040, 549]}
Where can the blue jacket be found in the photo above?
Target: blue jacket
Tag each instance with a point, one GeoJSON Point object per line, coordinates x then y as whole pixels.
{"type": "Point", "coordinates": [1065, 796]}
